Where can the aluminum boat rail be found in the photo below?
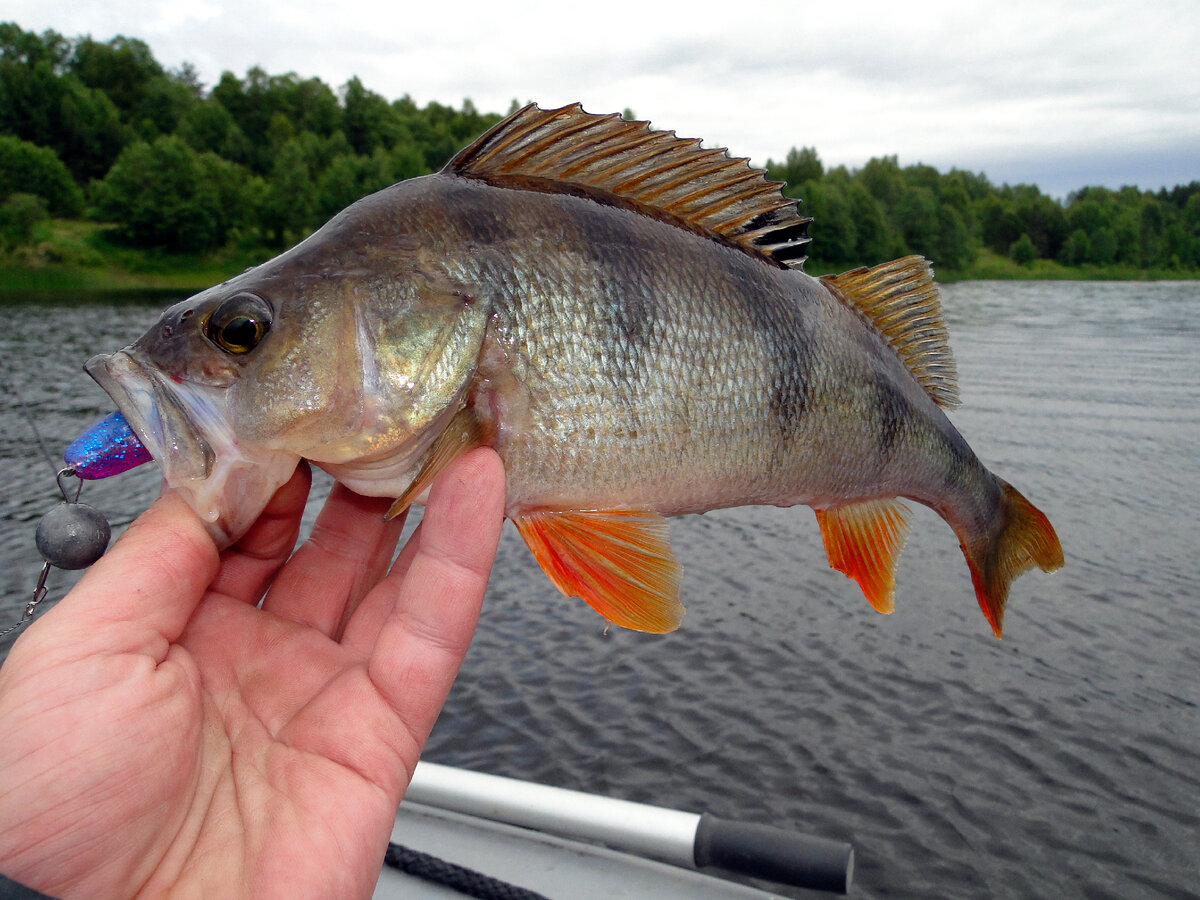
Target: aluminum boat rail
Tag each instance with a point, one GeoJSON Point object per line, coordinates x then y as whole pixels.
{"type": "Point", "coordinates": [699, 841]}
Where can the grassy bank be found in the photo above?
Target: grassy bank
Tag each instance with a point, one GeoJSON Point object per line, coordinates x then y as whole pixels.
{"type": "Point", "coordinates": [992, 266]}
{"type": "Point", "coordinates": [74, 256]}
{"type": "Point", "coordinates": [70, 255]}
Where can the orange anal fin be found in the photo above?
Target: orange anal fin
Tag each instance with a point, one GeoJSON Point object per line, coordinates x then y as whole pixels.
{"type": "Point", "coordinates": [462, 434]}
{"type": "Point", "coordinates": [862, 541]}
{"type": "Point", "coordinates": [617, 560]}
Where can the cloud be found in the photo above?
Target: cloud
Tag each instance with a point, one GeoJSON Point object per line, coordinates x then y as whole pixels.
{"type": "Point", "coordinates": [1108, 87]}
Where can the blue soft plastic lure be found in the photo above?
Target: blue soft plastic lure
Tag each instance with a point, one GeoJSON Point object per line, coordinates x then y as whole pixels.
{"type": "Point", "coordinates": [107, 448]}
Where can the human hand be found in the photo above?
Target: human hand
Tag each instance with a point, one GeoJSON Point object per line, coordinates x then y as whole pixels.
{"type": "Point", "coordinates": [163, 735]}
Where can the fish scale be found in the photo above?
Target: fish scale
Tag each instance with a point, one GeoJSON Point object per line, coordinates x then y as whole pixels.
{"type": "Point", "coordinates": [625, 397]}
{"type": "Point", "coordinates": [623, 315]}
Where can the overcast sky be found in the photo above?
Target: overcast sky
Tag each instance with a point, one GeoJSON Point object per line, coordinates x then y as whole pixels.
{"type": "Point", "coordinates": [1053, 93]}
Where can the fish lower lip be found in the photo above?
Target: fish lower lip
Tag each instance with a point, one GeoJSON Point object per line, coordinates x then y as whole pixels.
{"type": "Point", "coordinates": [156, 414]}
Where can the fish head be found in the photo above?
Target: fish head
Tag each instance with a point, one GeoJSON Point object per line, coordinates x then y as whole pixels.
{"type": "Point", "coordinates": [213, 389]}
{"type": "Point", "coordinates": [347, 352]}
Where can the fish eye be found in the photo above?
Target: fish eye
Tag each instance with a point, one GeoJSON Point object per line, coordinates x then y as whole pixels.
{"type": "Point", "coordinates": [240, 323]}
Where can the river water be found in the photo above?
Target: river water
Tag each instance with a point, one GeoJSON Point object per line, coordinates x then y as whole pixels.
{"type": "Point", "coordinates": [1059, 762]}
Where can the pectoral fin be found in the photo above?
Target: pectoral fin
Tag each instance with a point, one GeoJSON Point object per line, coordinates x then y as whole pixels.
{"type": "Point", "coordinates": [619, 561]}
{"type": "Point", "coordinates": [862, 541]}
{"type": "Point", "coordinates": [462, 434]}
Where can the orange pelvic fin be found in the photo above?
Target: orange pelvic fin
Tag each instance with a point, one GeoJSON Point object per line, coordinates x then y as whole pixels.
{"type": "Point", "coordinates": [462, 434]}
{"type": "Point", "coordinates": [1026, 539]}
{"type": "Point", "coordinates": [862, 541]}
{"type": "Point", "coordinates": [618, 560]}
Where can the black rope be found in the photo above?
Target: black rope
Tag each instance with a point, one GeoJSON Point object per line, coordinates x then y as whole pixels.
{"type": "Point", "coordinates": [464, 880]}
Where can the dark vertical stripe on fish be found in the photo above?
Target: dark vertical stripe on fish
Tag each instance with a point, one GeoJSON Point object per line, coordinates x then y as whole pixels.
{"type": "Point", "coordinates": [629, 308]}
{"type": "Point", "coordinates": [788, 344]}
{"type": "Point", "coordinates": [890, 413]}
{"type": "Point", "coordinates": [479, 225]}
{"type": "Point", "coordinates": [961, 467]}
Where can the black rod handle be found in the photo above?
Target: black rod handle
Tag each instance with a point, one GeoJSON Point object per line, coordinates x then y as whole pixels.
{"type": "Point", "coordinates": [763, 851]}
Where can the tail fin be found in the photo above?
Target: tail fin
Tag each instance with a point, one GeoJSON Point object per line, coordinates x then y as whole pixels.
{"type": "Point", "coordinates": [1024, 540]}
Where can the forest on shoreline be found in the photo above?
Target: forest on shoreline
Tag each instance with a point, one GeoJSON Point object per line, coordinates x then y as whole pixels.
{"type": "Point", "coordinates": [116, 170]}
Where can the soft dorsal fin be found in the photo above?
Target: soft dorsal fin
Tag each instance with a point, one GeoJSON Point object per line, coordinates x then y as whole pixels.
{"type": "Point", "coordinates": [900, 299]}
{"type": "Point", "coordinates": [670, 177]}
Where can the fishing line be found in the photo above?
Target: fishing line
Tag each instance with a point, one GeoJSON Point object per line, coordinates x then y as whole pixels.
{"type": "Point", "coordinates": [73, 535]}
{"type": "Point", "coordinates": [12, 386]}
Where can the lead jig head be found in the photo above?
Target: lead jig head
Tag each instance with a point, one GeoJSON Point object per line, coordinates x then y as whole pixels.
{"type": "Point", "coordinates": [72, 535]}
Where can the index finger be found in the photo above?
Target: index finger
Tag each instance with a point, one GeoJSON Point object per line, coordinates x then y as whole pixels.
{"type": "Point", "coordinates": [430, 610]}
{"type": "Point", "coordinates": [249, 565]}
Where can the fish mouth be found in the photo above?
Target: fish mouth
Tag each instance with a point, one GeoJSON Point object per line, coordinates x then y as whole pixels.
{"type": "Point", "coordinates": [158, 415]}
{"type": "Point", "coordinates": [186, 429]}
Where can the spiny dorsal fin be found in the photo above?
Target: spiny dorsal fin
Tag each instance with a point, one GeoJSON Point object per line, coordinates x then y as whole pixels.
{"type": "Point", "coordinates": [900, 299]}
{"type": "Point", "coordinates": [671, 177]}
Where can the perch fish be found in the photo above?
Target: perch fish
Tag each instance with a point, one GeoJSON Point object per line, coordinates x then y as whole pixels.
{"type": "Point", "coordinates": [624, 316]}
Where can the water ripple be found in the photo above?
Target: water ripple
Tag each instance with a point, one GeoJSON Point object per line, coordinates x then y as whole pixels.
{"type": "Point", "coordinates": [1060, 762]}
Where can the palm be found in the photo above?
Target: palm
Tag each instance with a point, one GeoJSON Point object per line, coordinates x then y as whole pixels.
{"type": "Point", "coordinates": [215, 748]}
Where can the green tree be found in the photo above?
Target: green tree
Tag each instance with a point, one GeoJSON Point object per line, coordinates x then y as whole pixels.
{"type": "Point", "coordinates": [933, 229]}
{"type": "Point", "coordinates": [1190, 226]}
{"type": "Point", "coordinates": [998, 224]}
{"type": "Point", "coordinates": [350, 177]}
{"type": "Point", "coordinates": [916, 214]}
{"type": "Point", "coordinates": [974, 185]}
{"type": "Point", "coordinates": [955, 248]}
{"type": "Point", "coordinates": [89, 133]}
{"type": "Point", "coordinates": [290, 203]}
{"type": "Point", "coordinates": [798, 167]}
{"type": "Point", "coordinates": [209, 127]}
{"type": "Point", "coordinates": [1041, 218]}
{"type": "Point", "coordinates": [122, 68]}
{"type": "Point", "coordinates": [925, 176]}
{"type": "Point", "coordinates": [407, 161]}
{"type": "Point", "coordinates": [1126, 227]}
{"type": "Point", "coordinates": [258, 99]}
{"type": "Point", "coordinates": [953, 191]}
{"type": "Point", "coordinates": [21, 47]}
{"type": "Point", "coordinates": [314, 107]}
{"type": "Point", "coordinates": [1077, 249]}
{"type": "Point", "coordinates": [150, 101]}
{"type": "Point", "coordinates": [881, 176]}
{"type": "Point", "coordinates": [1152, 224]}
{"type": "Point", "coordinates": [1023, 251]}
{"type": "Point", "coordinates": [876, 242]}
{"type": "Point", "coordinates": [1088, 213]}
{"type": "Point", "coordinates": [832, 229]}
{"type": "Point", "coordinates": [29, 169]}
{"type": "Point", "coordinates": [20, 214]}
{"type": "Point", "coordinates": [229, 94]}
{"type": "Point", "coordinates": [1178, 251]}
{"type": "Point", "coordinates": [43, 103]}
{"type": "Point", "coordinates": [1104, 246]}
{"type": "Point", "coordinates": [167, 195]}
{"type": "Point", "coordinates": [440, 131]}
{"type": "Point", "coordinates": [368, 120]}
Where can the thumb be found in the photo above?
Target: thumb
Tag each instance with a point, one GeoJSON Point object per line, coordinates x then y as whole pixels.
{"type": "Point", "coordinates": [145, 588]}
